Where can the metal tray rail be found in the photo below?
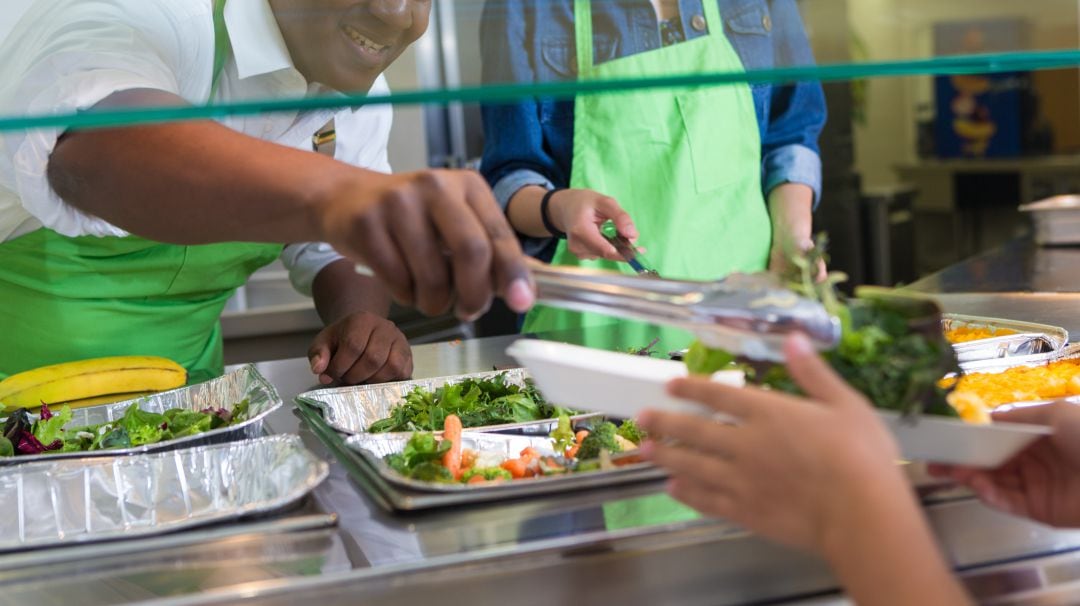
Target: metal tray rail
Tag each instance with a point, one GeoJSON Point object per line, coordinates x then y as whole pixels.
{"type": "Point", "coordinates": [224, 392]}
{"type": "Point", "coordinates": [94, 499]}
{"type": "Point", "coordinates": [351, 410]}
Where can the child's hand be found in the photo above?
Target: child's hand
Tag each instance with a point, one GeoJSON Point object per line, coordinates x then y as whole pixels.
{"type": "Point", "coordinates": [580, 213]}
{"type": "Point", "coordinates": [804, 472]}
{"type": "Point", "coordinates": [1043, 481]}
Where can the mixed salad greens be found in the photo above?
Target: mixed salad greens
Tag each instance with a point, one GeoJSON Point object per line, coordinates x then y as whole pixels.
{"type": "Point", "coordinates": [429, 459]}
{"type": "Point", "coordinates": [883, 352]}
{"type": "Point", "coordinates": [476, 402]}
{"type": "Point", "coordinates": [22, 435]}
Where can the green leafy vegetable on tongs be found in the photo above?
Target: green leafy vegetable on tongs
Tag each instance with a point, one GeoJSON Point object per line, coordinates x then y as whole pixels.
{"type": "Point", "coordinates": [883, 352]}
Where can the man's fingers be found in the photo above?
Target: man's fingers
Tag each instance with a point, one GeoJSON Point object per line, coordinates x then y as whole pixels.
{"type": "Point", "coordinates": [415, 235]}
{"type": "Point", "coordinates": [319, 352]}
{"type": "Point", "coordinates": [350, 345]}
{"type": "Point", "coordinates": [468, 243]}
{"type": "Point", "coordinates": [369, 361]}
{"type": "Point", "coordinates": [509, 270]}
{"type": "Point", "coordinates": [398, 366]}
{"type": "Point", "coordinates": [381, 254]}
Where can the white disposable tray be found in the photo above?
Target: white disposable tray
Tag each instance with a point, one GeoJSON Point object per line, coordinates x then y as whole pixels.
{"type": "Point", "coordinates": [623, 385]}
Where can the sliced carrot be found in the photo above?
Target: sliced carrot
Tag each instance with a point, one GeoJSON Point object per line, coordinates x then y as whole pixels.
{"type": "Point", "coordinates": [452, 458]}
{"type": "Point", "coordinates": [579, 437]}
{"type": "Point", "coordinates": [530, 454]}
{"type": "Point", "coordinates": [477, 479]}
{"type": "Point", "coordinates": [516, 467]}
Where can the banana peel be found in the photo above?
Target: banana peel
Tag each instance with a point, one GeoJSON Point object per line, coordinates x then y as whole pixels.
{"type": "Point", "coordinates": [91, 382]}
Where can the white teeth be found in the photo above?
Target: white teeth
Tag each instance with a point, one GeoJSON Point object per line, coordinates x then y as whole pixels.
{"type": "Point", "coordinates": [363, 40]}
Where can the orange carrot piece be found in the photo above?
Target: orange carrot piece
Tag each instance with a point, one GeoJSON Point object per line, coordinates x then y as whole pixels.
{"type": "Point", "coordinates": [477, 479]}
{"type": "Point", "coordinates": [516, 467]}
{"type": "Point", "coordinates": [452, 458]}
{"type": "Point", "coordinates": [579, 437]}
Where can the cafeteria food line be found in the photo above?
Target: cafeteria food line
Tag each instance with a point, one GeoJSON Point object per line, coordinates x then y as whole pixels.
{"type": "Point", "coordinates": [551, 547]}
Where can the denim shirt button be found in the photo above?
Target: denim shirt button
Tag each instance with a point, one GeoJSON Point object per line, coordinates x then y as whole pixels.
{"type": "Point", "coordinates": [698, 23]}
{"type": "Point", "coordinates": [766, 22]}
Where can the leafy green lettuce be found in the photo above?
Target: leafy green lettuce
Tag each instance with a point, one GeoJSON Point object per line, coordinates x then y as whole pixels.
{"type": "Point", "coordinates": [477, 402]}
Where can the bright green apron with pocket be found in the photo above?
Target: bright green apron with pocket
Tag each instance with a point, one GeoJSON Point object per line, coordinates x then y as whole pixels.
{"type": "Point", "coordinates": [686, 165]}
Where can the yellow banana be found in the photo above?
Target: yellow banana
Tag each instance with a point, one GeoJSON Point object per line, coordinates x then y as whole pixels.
{"type": "Point", "coordinates": [89, 379]}
{"type": "Point", "coordinates": [101, 400]}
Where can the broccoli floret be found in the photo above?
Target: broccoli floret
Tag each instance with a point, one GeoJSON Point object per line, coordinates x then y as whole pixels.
{"type": "Point", "coordinates": [601, 437]}
{"type": "Point", "coordinates": [488, 473]}
{"type": "Point", "coordinates": [630, 430]}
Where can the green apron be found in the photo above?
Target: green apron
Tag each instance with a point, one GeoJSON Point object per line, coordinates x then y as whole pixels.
{"type": "Point", "coordinates": [70, 299]}
{"type": "Point", "coordinates": [686, 165]}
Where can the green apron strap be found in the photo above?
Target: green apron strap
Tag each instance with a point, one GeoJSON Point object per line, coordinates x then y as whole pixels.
{"type": "Point", "coordinates": [583, 35]}
{"type": "Point", "coordinates": [222, 46]}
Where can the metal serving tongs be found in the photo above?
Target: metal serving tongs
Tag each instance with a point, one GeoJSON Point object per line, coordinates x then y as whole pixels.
{"type": "Point", "coordinates": [748, 315]}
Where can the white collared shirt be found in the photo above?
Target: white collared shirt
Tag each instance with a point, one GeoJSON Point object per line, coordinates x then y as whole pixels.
{"type": "Point", "coordinates": [68, 55]}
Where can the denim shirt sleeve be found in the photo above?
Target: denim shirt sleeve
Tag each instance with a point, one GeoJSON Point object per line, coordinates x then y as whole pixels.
{"type": "Point", "coordinates": [515, 153]}
{"type": "Point", "coordinates": [797, 113]}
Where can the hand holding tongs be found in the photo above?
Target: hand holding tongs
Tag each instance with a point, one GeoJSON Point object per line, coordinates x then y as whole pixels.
{"type": "Point", "coordinates": [748, 315]}
{"type": "Point", "coordinates": [630, 253]}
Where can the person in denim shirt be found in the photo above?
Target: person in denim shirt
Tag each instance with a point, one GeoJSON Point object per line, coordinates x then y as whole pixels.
{"type": "Point", "coordinates": [529, 144]}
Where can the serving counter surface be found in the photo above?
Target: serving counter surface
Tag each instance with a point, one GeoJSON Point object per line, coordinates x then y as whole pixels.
{"type": "Point", "coordinates": [553, 549]}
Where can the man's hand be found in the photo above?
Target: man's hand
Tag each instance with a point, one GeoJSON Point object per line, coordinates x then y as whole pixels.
{"type": "Point", "coordinates": [1043, 481]}
{"type": "Point", "coordinates": [436, 238]}
{"type": "Point", "coordinates": [361, 348]}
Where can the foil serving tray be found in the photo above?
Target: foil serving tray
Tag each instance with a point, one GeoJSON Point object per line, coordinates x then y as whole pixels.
{"type": "Point", "coordinates": [63, 502]}
{"type": "Point", "coordinates": [373, 447]}
{"type": "Point", "coordinates": [1031, 341]}
{"type": "Point", "coordinates": [351, 410]}
{"type": "Point", "coordinates": [222, 392]}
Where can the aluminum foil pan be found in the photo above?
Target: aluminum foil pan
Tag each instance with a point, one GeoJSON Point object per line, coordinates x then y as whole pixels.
{"type": "Point", "coordinates": [352, 410]}
{"type": "Point", "coordinates": [1030, 341]}
{"type": "Point", "coordinates": [1001, 365]}
{"type": "Point", "coordinates": [76, 501]}
{"type": "Point", "coordinates": [373, 447]}
{"type": "Point", "coordinates": [225, 391]}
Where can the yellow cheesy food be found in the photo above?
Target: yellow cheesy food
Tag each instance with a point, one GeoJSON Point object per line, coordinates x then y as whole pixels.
{"type": "Point", "coordinates": [964, 334]}
{"type": "Point", "coordinates": [978, 393]}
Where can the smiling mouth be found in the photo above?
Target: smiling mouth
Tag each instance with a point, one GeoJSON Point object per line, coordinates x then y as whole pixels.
{"type": "Point", "coordinates": [362, 41]}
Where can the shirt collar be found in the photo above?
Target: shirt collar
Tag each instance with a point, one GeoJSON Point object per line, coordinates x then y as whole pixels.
{"type": "Point", "coordinates": [257, 44]}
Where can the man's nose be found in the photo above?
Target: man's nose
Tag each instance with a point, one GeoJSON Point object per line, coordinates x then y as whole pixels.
{"type": "Point", "coordinates": [395, 13]}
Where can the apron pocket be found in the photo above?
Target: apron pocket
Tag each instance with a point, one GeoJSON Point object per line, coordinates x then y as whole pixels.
{"type": "Point", "coordinates": [720, 150]}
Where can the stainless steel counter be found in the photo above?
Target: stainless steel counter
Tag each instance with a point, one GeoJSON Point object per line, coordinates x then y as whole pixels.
{"type": "Point", "coordinates": [546, 550]}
